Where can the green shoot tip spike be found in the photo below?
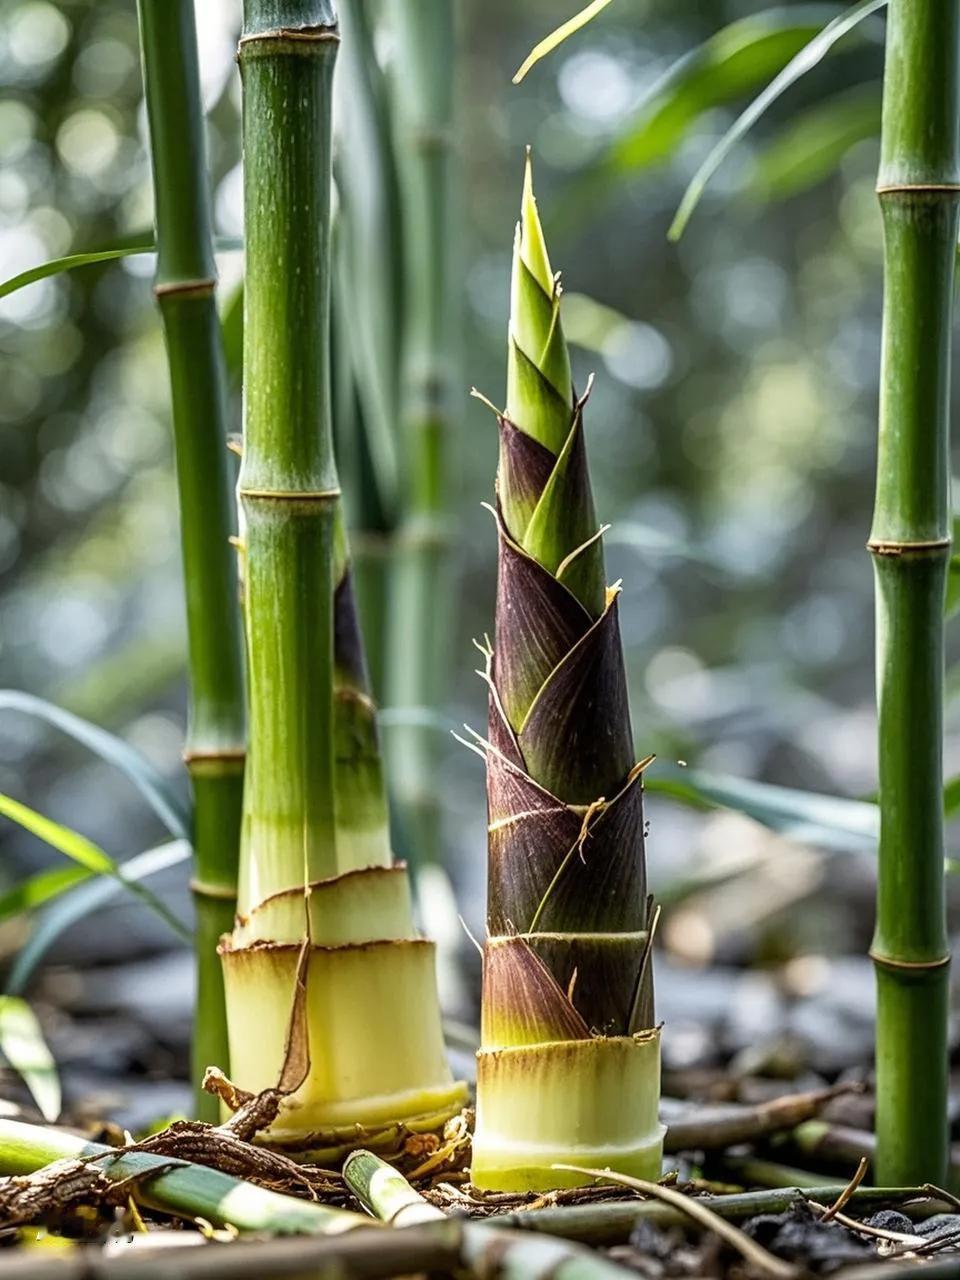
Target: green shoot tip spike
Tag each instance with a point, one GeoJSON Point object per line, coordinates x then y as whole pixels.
{"type": "Point", "coordinates": [533, 246]}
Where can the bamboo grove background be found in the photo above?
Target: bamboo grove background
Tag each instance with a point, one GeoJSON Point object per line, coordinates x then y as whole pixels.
{"type": "Point", "coordinates": [732, 431]}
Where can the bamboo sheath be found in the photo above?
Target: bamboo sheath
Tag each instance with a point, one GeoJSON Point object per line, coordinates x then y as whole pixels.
{"type": "Point", "coordinates": [919, 189]}
{"type": "Point", "coordinates": [185, 284]}
{"type": "Point", "coordinates": [569, 1066]}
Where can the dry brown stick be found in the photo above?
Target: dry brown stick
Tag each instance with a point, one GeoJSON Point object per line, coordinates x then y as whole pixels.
{"type": "Point", "coordinates": [880, 1233]}
{"type": "Point", "coordinates": [844, 1196]}
{"type": "Point", "coordinates": [715, 1127]}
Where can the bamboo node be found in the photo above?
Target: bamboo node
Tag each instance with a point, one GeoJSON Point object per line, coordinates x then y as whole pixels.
{"type": "Point", "coordinates": [917, 188]}
{"type": "Point", "coordinates": [296, 41]}
{"type": "Point", "coordinates": [883, 547]}
{"type": "Point", "coordinates": [206, 889]}
{"type": "Point", "coordinates": [915, 966]}
{"type": "Point", "coordinates": [201, 288]}
{"type": "Point", "coordinates": [289, 495]}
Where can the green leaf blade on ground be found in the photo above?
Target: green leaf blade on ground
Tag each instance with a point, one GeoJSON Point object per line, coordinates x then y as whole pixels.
{"type": "Point", "coordinates": [25, 1050]}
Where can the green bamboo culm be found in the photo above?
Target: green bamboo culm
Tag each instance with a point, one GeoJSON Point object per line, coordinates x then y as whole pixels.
{"type": "Point", "coordinates": [919, 190]}
{"type": "Point", "coordinates": [421, 615]}
{"type": "Point", "coordinates": [316, 862]}
{"type": "Point", "coordinates": [177, 1187]}
{"type": "Point", "coordinates": [185, 290]}
{"type": "Point", "coordinates": [569, 1065]}
{"type": "Point", "coordinates": [368, 328]}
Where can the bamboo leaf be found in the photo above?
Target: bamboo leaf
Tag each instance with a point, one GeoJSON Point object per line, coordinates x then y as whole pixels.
{"type": "Point", "coordinates": [23, 1046]}
{"type": "Point", "coordinates": [139, 242]}
{"type": "Point", "coordinates": [162, 797]}
{"type": "Point", "coordinates": [557, 37]}
{"type": "Point", "coordinates": [732, 62]}
{"type": "Point", "coordinates": [831, 822]}
{"type": "Point", "coordinates": [40, 888]}
{"type": "Point", "coordinates": [809, 56]}
{"type": "Point", "coordinates": [811, 147]}
{"type": "Point", "coordinates": [89, 898]}
{"type": "Point", "coordinates": [86, 853]}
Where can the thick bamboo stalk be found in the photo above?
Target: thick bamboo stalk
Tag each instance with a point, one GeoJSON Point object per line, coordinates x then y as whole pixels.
{"type": "Point", "coordinates": [185, 284]}
{"type": "Point", "coordinates": [918, 185]}
{"type": "Point", "coordinates": [315, 854]}
{"type": "Point", "coordinates": [421, 609]}
{"type": "Point", "coordinates": [288, 481]}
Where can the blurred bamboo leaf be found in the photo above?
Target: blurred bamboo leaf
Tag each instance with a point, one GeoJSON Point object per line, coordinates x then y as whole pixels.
{"type": "Point", "coordinates": [40, 888]}
{"type": "Point", "coordinates": [86, 853]}
{"type": "Point", "coordinates": [563, 32]}
{"type": "Point", "coordinates": [830, 822]}
{"type": "Point", "coordinates": [812, 53]}
{"type": "Point", "coordinates": [725, 67]}
{"type": "Point", "coordinates": [142, 243]}
{"type": "Point", "coordinates": [25, 1050]}
{"type": "Point", "coordinates": [814, 143]}
{"type": "Point", "coordinates": [139, 242]}
{"type": "Point", "coordinates": [160, 795]}
{"type": "Point", "coordinates": [88, 898]}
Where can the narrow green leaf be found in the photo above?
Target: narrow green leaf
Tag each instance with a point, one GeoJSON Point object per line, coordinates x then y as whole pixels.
{"type": "Point", "coordinates": [814, 143]}
{"type": "Point", "coordinates": [139, 242]}
{"type": "Point", "coordinates": [88, 898]}
{"type": "Point", "coordinates": [557, 37]}
{"type": "Point", "coordinates": [162, 797]}
{"type": "Point", "coordinates": [56, 266]}
{"type": "Point", "coordinates": [23, 1046]}
{"type": "Point", "coordinates": [41, 888]}
{"type": "Point", "coordinates": [86, 853]}
{"type": "Point", "coordinates": [730, 64]}
{"type": "Point", "coordinates": [808, 57]}
{"type": "Point", "coordinates": [71, 843]}
{"type": "Point", "coordinates": [830, 822]}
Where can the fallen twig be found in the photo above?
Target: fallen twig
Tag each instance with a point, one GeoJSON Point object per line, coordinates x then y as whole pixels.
{"type": "Point", "coordinates": [713, 1128]}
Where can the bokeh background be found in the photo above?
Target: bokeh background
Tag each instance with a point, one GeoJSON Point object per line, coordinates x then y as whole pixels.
{"type": "Point", "coordinates": [731, 431]}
